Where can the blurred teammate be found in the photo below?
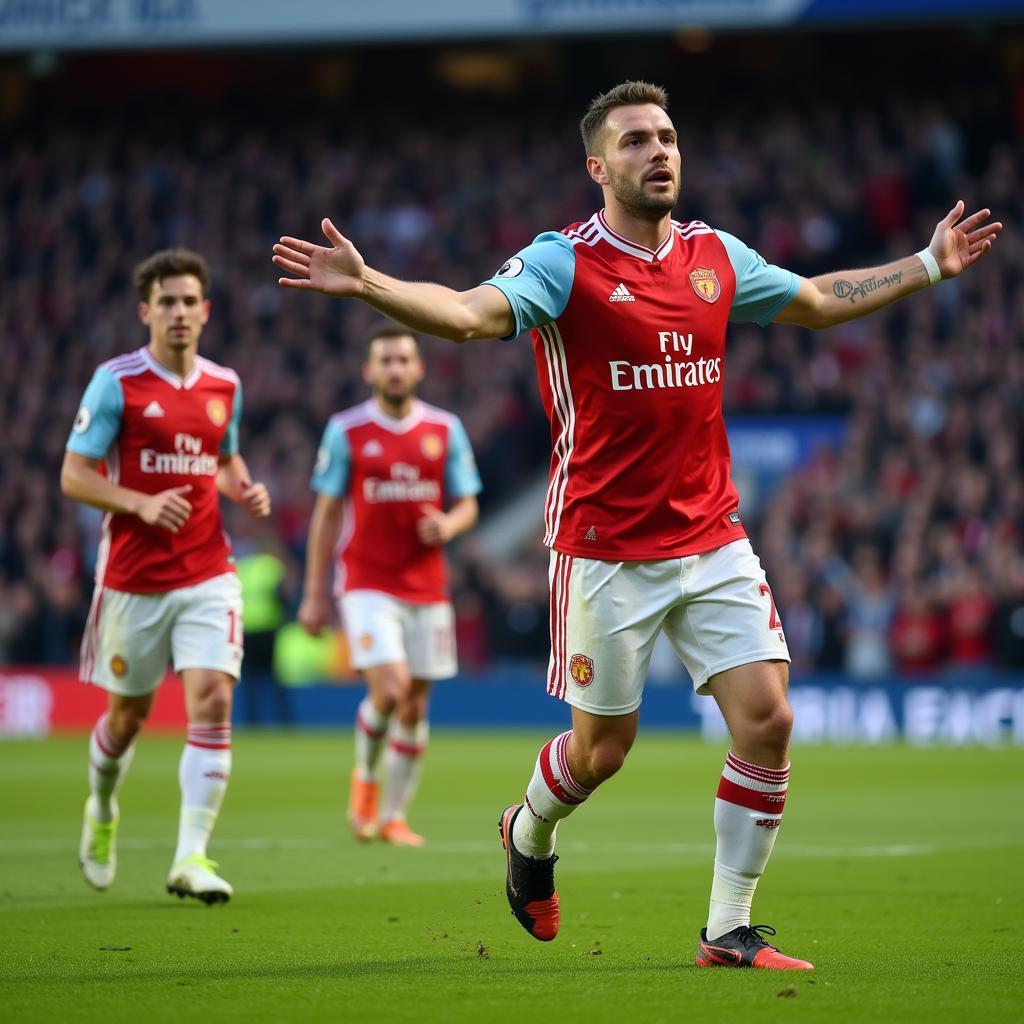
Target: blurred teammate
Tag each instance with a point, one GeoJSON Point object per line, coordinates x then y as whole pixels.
{"type": "Point", "coordinates": [629, 312]}
{"type": "Point", "coordinates": [164, 422]}
{"type": "Point", "coordinates": [388, 467]}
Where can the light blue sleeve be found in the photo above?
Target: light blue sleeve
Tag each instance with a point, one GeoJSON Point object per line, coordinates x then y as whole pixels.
{"type": "Point", "coordinates": [229, 443]}
{"type": "Point", "coordinates": [98, 420]}
{"type": "Point", "coordinates": [537, 281]}
{"type": "Point", "coordinates": [761, 288]}
{"type": "Point", "coordinates": [461, 478]}
{"type": "Point", "coordinates": [333, 463]}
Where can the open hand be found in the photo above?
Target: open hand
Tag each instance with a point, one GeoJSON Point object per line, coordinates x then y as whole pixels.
{"type": "Point", "coordinates": [334, 271]}
{"type": "Point", "coordinates": [958, 246]}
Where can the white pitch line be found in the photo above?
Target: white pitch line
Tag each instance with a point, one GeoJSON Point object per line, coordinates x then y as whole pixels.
{"type": "Point", "coordinates": [474, 846]}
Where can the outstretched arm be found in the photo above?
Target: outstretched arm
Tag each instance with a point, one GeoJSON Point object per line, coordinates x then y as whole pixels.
{"type": "Point", "coordinates": [835, 298]}
{"type": "Point", "coordinates": [481, 312]}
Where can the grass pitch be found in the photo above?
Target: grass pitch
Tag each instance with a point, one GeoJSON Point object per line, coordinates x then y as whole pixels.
{"type": "Point", "coordinates": [897, 871]}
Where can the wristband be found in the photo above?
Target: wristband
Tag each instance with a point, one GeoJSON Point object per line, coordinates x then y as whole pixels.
{"type": "Point", "coordinates": [930, 264]}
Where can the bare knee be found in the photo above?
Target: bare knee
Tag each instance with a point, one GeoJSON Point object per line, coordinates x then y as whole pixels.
{"type": "Point", "coordinates": [412, 708]}
{"type": "Point", "coordinates": [600, 760]}
{"type": "Point", "coordinates": [389, 687]}
{"type": "Point", "coordinates": [212, 704]}
{"type": "Point", "coordinates": [767, 731]}
{"type": "Point", "coordinates": [125, 721]}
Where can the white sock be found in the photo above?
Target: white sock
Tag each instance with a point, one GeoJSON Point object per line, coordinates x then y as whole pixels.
{"type": "Point", "coordinates": [403, 764]}
{"type": "Point", "coordinates": [371, 728]}
{"type": "Point", "coordinates": [108, 762]}
{"type": "Point", "coordinates": [748, 811]}
{"type": "Point", "coordinates": [203, 774]}
{"type": "Point", "coordinates": [553, 794]}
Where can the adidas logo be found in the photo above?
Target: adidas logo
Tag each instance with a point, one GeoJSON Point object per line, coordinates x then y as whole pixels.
{"type": "Point", "coordinates": [153, 409]}
{"type": "Point", "coordinates": [591, 534]}
{"type": "Point", "coordinates": [621, 294]}
{"type": "Point", "coordinates": [372, 448]}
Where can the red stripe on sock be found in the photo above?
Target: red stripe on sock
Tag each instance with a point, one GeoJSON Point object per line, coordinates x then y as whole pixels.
{"type": "Point", "coordinates": [106, 742]}
{"type": "Point", "coordinates": [755, 771]}
{"type": "Point", "coordinates": [208, 746]}
{"type": "Point", "coordinates": [769, 803]}
{"type": "Point", "coordinates": [549, 778]}
{"type": "Point", "coordinates": [409, 749]}
{"type": "Point", "coordinates": [363, 727]}
{"type": "Point", "coordinates": [563, 767]}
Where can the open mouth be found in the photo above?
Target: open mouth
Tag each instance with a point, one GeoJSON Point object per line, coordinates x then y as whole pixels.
{"type": "Point", "coordinates": [660, 177]}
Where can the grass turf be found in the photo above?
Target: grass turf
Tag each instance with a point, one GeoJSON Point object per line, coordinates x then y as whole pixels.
{"type": "Point", "coordinates": [898, 872]}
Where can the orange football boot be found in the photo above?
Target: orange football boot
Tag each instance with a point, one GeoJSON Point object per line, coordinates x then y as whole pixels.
{"type": "Point", "coordinates": [744, 947]}
{"type": "Point", "coordinates": [362, 808]}
{"type": "Point", "coordinates": [397, 832]}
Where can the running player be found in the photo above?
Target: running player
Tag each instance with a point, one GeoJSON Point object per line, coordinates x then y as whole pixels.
{"type": "Point", "coordinates": [164, 423]}
{"type": "Point", "coordinates": [629, 312]}
{"type": "Point", "coordinates": [388, 467]}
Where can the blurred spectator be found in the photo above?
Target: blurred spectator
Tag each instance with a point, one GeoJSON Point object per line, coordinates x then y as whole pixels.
{"type": "Point", "coordinates": [917, 519]}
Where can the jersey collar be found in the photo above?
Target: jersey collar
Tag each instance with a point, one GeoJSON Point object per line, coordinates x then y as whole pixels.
{"type": "Point", "coordinates": [179, 383]}
{"type": "Point", "coordinates": [389, 423]}
{"type": "Point", "coordinates": [634, 248]}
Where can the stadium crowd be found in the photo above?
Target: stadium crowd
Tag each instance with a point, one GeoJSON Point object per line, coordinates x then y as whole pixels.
{"type": "Point", "coordinates": [901, 549]}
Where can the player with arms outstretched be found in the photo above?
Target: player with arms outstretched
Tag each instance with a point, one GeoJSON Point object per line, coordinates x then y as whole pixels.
{"type": "Point", "coordinates": [163, 421]}
{"type": "Point", "coordinates": [388, 467]}
{"type": "Point", "coordinates": [629, 311]}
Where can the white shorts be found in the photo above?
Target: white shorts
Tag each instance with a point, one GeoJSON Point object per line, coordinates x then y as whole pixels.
{"type": "Point", "coordinates": [716, 610]}
{"type": "Point", "coordinates": [383, 629]}
{"type": "Point", "coordinates": [130, 638]}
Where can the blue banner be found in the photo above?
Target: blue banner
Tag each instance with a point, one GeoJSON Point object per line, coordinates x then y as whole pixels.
{"type": "Point", "coordinates": [986, 709]}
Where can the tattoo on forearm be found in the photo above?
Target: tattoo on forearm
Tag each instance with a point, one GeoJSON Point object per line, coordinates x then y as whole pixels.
{"type": "Point", "coordinates": [854, 290]}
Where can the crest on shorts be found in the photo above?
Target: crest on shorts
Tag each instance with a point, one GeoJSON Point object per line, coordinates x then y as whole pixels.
{"type": "Point", "coordinates": [431, 446]}
{"type": "Point", "coordinates": [581, 668]}
{"type": "Point", "coordinates": [119, 666]}
{"type": "Point", "coordinates": [705, 283]}
{"type": "Point", "coordinates": [217, 411]}
{"type": "Point", "coordinates": [366, 641]}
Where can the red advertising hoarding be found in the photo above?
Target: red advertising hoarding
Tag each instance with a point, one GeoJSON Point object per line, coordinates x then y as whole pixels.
{"type": "Point", "coordinates": [37, 700]}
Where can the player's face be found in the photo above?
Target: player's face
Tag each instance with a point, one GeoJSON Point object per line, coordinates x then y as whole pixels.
{"type": "Point", "coordinates": [641, 163]}
{"type": "Point", "coordinates": [393, 368]}
{"type": "Point", "coordinates": [176, 312]}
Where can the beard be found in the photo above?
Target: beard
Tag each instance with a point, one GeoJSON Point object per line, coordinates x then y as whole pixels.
{"type": "Point", "coordinates": [639, 203]}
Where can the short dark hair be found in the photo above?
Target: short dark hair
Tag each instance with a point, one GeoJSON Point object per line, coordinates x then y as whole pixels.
{"type": "Point", "coordinates": [169, 263]}
{"type": "Point", "coordinates": [389, 329]}
{"type": "Point", "coordinates": [627, 94]}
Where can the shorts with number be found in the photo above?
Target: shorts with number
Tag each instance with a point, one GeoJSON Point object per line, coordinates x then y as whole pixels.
{"type": "Point", "coordinates": [131, 638]}
{"type": "Point", "coordinates": [716, 610]}
{"type": "Point", "coordinates": [383, 629]}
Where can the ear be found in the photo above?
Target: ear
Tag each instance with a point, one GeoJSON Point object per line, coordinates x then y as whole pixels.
{"type": "Point", "coordinates": [596, 170]}
{"type": "Point", "coordinates": [206, 311]}
{"type": "Point", "coordinates": [144, 312]}
{"type": "Point", "coordinates": [366, 374]}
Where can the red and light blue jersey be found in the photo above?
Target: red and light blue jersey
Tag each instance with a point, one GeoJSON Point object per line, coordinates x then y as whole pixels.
{"type": "Point", "coordinates": [155, 430]}
{"type": "Point", "coordinates": [630, 351]}
{"type": "Point", "coordinates": [387, 470]}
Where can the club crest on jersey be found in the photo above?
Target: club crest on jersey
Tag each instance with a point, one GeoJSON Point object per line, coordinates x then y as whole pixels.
{"type": "Point", "coordinates": [581, 668]}
{"type": "Point", "coordinates": [119, 666]}
{"type": "Point", "coordinates": [705, 283]}
{"type": "Point", "coordinates": [217, 411]}
{"type": "Point", "coordinates": [431, 446]}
